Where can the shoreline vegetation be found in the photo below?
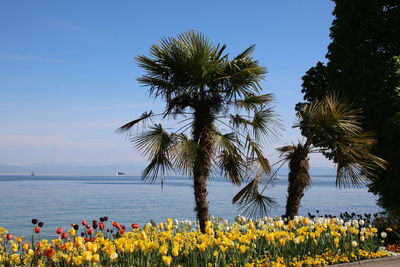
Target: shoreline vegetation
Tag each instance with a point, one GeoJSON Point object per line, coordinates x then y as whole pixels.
{"type": "Point", "coordinates": [303, 241]}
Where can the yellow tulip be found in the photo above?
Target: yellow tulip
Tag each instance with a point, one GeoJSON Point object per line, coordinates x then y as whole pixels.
{"type": "Point", "coordinates": [96, 258]}
{"type": "Point", "coordinates": [175, 251]}
{"type": "Point", "coordinates": [72, 232]}
{"type": "Point", "coordinates": [25, 246]}
{"type": "Point", "coordinates": [87, 256]}
{"type": "Point", "coordinates": [167, 260]}
{"type": "Point", "coordinates": [14, 248]}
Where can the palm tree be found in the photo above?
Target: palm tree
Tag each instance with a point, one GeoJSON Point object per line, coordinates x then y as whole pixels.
{"type": "Point", "coordinates": [199, 83]}
{"type": "Point", "coordinates": [332, 127]}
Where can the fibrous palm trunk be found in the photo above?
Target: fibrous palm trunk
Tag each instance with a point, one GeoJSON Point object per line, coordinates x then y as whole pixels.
{"type": "Point", "coordinates": [202, 135]}
{"type": "Point", "coordinates": [299, 179]}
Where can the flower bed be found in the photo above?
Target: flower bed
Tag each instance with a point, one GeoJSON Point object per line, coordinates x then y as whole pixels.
{"type": "Point", "coordinates": [264, 242]}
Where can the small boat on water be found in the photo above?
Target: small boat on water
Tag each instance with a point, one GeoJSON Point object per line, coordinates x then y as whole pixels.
{"type": "Point", "coordinates": [119, 173]}
{"type": "Point", "coordinates": [32, 173]}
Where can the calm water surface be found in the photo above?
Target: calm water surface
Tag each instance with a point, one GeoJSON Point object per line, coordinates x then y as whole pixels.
{"type": "Point", "coordinates": [62, 200]}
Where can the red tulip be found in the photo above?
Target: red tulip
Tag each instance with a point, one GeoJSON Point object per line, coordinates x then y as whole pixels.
{"type": "Point", "coordinates": [37, 229]}
{"type": "Point", "coordinates": [9, 236]}
{"type": "Point", "coordinates": [87, 239]}
{"type": "Point", "coordinates": [87, 226]}
{"type": "Point", "coordinates": [135, 226]}
{"type": "Point", "coordinates": [121, 231]}
{"type": "Point", "coordinates": [64, 235]}
{"type": "Point", "coordinates": [84, 222]}
{"type": "Point", "coordinates": [50, 252]}
{"type": "Point", "coordinates": [59, 230]}
{"type": "Point", "coordinates": [89, 231]}
{"type": "Point", "coordinates": [118, 226]}
{"type": "Point", "coordinates": [101, 226]}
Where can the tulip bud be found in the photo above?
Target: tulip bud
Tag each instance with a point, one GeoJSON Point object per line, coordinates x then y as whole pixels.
{"type": "Point", "coordinates": [105, 218]}
{"type": "Point", "coordinates": [101, 226]}
{"type": "Point", "coordinates": [37, 229]}
{"type": "Point", "coordinates": [35, 221]}
{"type": "Point", "coordinates": [135, 226]}
{"type": "Point", "coordinates": [64, 235]}
{"type": "Point", "coordinates": [84, 222]}
{"type": "Point", "coordinates": [76, 227]}
{"type": "Point", "coordinates": [59, 230]}
{"type": "Point", "coordinates": [101, 219]}
{"type": "Point", "coordinates": [9, 236]}
{"type": "Point", "coordinates": [40, 224]}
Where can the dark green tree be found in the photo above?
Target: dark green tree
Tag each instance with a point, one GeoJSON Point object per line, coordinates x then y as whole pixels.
{"type": "Point", "coordinates": [224, 118]}
{"type": "Point", "coordinates": [363, 65]}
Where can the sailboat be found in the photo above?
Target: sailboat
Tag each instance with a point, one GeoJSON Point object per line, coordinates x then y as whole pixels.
{"type": "Point", "coordinates": [32, 173]}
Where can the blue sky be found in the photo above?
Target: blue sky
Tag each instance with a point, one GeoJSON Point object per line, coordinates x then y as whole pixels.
{"type": "Point", "coordinates": [68, 76]}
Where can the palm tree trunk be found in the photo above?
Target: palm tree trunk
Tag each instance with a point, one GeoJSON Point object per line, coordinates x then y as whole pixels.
{"type": "Point", "coordinates": [299, 179]}
{"type": "Point", "coordinates": [202, 135]}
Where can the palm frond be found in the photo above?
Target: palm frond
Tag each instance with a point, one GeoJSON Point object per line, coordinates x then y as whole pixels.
{"type": "Point", "coordinates": [184, 154]}
{"type": "Point", "coordinates": [232, 166]}
{"type": "Point", "coordinates": [252, 101]}
{"type": "Point", "coordinates": [265, 125]}
{"type": "Point", "coordinates": [227, 142]}
{"type": "Point", "coordinates": [128, 126]}
{"type": "Point", "coordinates": [246, 192]}
{"type": "Point", "coordinates": [285, 150]}
{"type": "Point", "coordinates": [254, 152]}
{"type": "Point", "coordinates": [246, 53]}
{"type": "Point", "coordinates": [158, 167]}
{"type": "Point", "coordinates": [251, 202]}
{"type": "Point", "coordinates": [237, 121]}
{"type": "Point", "coordinates": [258, 206]}
{"type": "Point", "coordinates": [229, 157]}
{"type": "Point", "coordinates": [156, 144]}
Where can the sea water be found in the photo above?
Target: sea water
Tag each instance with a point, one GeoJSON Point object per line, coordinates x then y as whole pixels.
{"type": "Point", "coordinates": [60, 201]}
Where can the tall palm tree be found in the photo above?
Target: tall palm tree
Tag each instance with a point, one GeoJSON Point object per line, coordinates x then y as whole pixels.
{"type": "Point", "coordinates": [225, 119]}
{"type": "Point", "coordinates": [332, 127]}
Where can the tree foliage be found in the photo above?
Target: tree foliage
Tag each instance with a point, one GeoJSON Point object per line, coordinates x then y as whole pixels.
{"type": "Point", "coordinates": [364, 66]}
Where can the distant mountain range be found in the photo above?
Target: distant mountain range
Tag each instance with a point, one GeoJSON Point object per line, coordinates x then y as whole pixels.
{"type": "Point", "coordinates": [132, 169]}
